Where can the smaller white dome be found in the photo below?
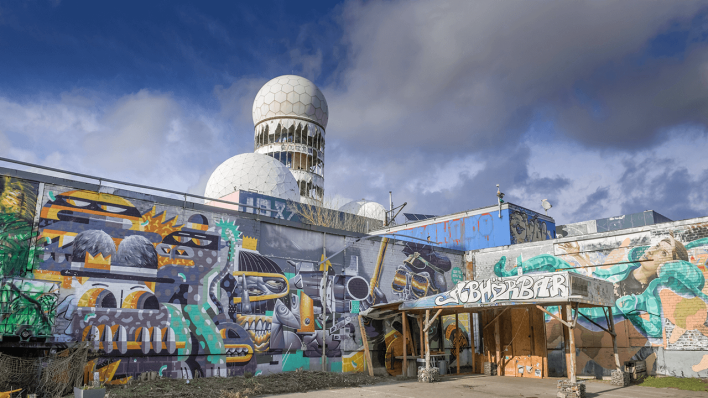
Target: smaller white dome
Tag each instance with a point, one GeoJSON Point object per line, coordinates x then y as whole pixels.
{"type": "Point", "coordinates": [365, 208]}
{"type": "Point", "coordinates": [253, 172]}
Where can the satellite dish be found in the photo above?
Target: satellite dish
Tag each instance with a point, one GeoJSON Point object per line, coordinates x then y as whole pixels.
{"type": "Point", "coordinates": [546, 205]}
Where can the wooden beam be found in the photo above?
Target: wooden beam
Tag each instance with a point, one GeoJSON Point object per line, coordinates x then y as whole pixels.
{"type": "Point", "coordinates": [428, 324]}
{"type": "Point", "coordinates": [365, 341]}
{"type": "Point", "coordinates": [409, 338]}
{"type": "Point", "coordinates": [575, 319]}
{"type": "Point", "coordinates": [571, 340]}
{"type": "Point", "coordinates": [427, 342]}
{"type": "Point", "coordinates": [495, 318]}
{"type": "Point", "coordinates": [422, 344]}
{"type": "Point", "coordinates": [404, 320]}
{"type": "Point", "coordinates": [456, 341]}
{"type": "Point", "coordinates": [497, 342]}
{"type": "Point", "coordinates": [596, 324]}
{"type": "Point", "coordinates": [611, 324]}
{"type": "Point", "coordinates": [554, 316]}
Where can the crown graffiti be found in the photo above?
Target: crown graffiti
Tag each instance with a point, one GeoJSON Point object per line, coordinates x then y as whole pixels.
{"type": "Point", "coordinates": [98, 262]}
{"type": "Point", "coordinates": [250, 243]}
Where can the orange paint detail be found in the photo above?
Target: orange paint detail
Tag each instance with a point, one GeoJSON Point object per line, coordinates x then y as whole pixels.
{"type": "Point", "coordinates": [132, 302]}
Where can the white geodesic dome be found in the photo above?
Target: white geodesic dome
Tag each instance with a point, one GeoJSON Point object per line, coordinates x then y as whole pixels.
{"type": "Point", "coordinates": [290, 95]}
{"type": "Point", "coordinates": [253, 172]}
{"type": "Point", "coordinates": [365, 208]}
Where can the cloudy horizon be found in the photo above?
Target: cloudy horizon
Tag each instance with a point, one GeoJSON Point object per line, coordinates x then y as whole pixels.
{"type": "Point", "coordinates": [599, 106]}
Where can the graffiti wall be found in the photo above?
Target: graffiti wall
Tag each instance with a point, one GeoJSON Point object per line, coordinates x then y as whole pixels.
{"type": "Point", "coordinates": [190, 293]}
{"type": "Point", "coordinates": [529, 226]}
{"type": "Point", "coordinates": [659, 275]}
{"type": "Point", "coordinates": [481, 228]}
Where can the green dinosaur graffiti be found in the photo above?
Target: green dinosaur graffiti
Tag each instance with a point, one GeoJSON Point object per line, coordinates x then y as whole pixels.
{"type": "Point", "coordinates": [27, 307]}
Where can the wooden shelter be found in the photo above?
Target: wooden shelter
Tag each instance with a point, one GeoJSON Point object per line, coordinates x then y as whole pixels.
{"type": "Point", "coordinates": [511, 317]}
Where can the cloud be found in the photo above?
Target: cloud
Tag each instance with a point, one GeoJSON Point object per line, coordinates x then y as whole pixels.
{"type": "Point", "coordinates": [598, 106]}
{"type": "Point", "coordinates": [146, 138]}
{"type": "Point", "coordinates": [429, 88]}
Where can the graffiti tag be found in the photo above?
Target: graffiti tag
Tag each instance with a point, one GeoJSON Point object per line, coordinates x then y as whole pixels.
{"type": "Point", "coordinates": [492, 290]}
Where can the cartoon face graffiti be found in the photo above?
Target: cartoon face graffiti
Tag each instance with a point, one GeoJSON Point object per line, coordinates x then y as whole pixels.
{"type": "Point", "coordinates": [190, 243]}
{"type": "Point", "coordinates": [253, 290]}
{"type": "Point", "coordinates": [91, 208]}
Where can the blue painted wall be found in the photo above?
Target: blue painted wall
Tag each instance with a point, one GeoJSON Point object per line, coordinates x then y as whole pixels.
{"type": "Point", "coordinates": [481, 231]}
{"type": "Point", "coordinates": [466, 233]}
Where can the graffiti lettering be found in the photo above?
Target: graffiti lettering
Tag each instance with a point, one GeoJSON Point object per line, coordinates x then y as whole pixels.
{"type": "Point", "coordinates": [492, 290]}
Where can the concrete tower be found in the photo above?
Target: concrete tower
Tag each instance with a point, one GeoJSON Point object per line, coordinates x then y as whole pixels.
{"type": "Point", "coordinates": [290, 117]}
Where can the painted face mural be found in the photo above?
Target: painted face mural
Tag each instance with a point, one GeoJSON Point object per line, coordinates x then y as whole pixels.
{"type": "Point", "coordinates": [161, 288]}
{"type": "Point", "coordinates": [660, 289]}
{"type": "Point", "coordinates": [254, 287]}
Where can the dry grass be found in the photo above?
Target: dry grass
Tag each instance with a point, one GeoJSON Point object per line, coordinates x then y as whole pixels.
{"type": "Point", "coordinates": [326, 215]}
{"type": "Point", "coordinates": [241, 387]}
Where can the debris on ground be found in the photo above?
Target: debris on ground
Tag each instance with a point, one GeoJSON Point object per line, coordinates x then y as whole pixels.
{"type": "Point", "coordinates": [245, 387]}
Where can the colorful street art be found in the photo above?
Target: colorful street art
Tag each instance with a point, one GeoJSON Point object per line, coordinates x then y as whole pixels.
{"type": "Point", "coordinates": [158, 288]}
{"type": "Point", "coordinates": [660, 291]}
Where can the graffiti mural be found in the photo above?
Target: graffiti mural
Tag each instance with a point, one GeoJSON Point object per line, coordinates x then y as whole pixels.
{"type": "Point", "coordinates": [527, 226]}
{"type": "Point", "coordinates": [188, 293]}
{"type": "Point", "coordinates": [660, 292]}
{"type": "Point", "coordinates": [18, 199]}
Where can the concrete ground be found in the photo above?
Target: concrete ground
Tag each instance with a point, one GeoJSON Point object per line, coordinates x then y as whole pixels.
{"type": "Point", "coordinates": [490, 386]}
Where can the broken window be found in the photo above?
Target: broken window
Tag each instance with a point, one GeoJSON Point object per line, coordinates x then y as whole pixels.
{"type": "Point", "coordinates": [298, 134]}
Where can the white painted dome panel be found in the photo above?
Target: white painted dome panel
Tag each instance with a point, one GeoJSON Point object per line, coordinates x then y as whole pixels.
{"type": "Point", "coordinates": [253, 172]}
{"type": "Point", "coordinates": [295, 89]}
{"type": "Point", "coordinates": [365, 209]}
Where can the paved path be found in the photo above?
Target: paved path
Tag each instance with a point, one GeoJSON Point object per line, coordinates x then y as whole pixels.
{"type": "Point", "coordinates": [490, 386]}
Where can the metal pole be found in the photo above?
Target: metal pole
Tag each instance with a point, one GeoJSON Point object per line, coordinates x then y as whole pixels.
{"type": "Point", "coordinates": [323, 298]}
{"type": "Point", "coordinates": [390, 207]}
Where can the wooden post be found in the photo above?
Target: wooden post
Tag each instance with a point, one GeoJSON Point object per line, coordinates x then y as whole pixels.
{"type": "Point", "coordinates": [409, 338]}
{"type": "Point", "coordinates": [571, 340]}
{"type": "Point", "coordinates": [427, 342]}
{"type": "Point", "coordinates": [497, 343]}
{"type": "Point", "coordinates": [611, 324]}
{"type": "Point", "coordinates": [404, 320]}
{"type": "Point", "coordinates": [473, 348]}
{"type": "Point", "coordinates": [456, 340]}
{"type": "Point", "coordinates": [422, 344]}
{"type": "Point", "coordinates": [566, 337]}
{"type": "Point", "coordinates": [365, 341]}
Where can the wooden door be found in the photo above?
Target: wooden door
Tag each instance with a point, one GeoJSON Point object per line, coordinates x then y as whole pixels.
{"type": "Point", "coordinates": [527, 343]}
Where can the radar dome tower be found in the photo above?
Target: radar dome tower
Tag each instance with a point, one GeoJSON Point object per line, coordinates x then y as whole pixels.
{"type": "Point", "coordinates": [290, 117]}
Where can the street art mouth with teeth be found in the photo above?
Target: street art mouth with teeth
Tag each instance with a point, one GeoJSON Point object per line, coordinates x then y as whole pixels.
{"type": "Point", "coordinates": [259, 328]}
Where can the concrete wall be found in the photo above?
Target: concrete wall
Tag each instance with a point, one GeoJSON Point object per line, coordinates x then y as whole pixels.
{"type": "Point", "coordinates": [661, 308]}
{"type": "Point", "coordinates": [185, 289]}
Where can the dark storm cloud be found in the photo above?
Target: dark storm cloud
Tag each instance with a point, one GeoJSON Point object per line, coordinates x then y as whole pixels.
{"type": "Point", "coordinates": [662, 185]}
{"type": "Point", "coordinates": [461, 75]}
{"type": "Point", "coordinates": [594, 205]}
{"type": "Point", "coordinates": [428, 84]}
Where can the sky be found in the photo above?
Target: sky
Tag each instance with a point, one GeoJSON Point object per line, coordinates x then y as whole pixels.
{"type": "Point", "coordinates": [601, 107]}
